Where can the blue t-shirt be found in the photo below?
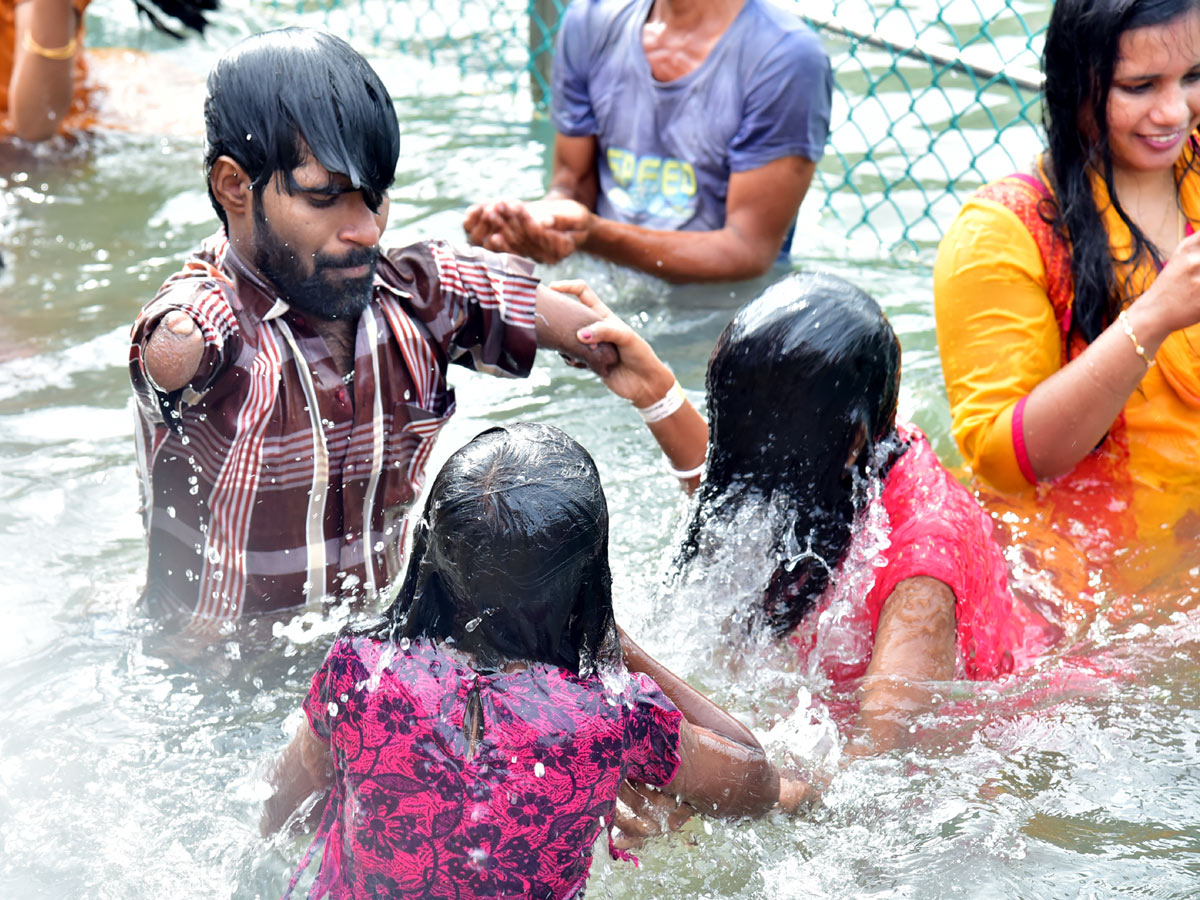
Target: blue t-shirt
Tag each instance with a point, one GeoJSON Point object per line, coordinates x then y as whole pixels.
{"type": "Point", "coordinates": [666, 149]}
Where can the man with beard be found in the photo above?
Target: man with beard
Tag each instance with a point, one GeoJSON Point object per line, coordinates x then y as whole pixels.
{"type": "Point", "coordinates": [291, 378]}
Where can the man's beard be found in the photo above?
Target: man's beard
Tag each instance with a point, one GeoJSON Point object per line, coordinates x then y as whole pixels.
{"type": "Point", "coordinates": [337, 298]}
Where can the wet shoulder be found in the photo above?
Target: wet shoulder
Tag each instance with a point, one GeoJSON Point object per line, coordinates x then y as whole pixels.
{"type": "Point", "coordinates": [918, 484]}
{"type": "Point", "coordinates": [917, 474]}
{"type": "Point", "coordinates": [417, 671]}
{"type": "Point", "coordinates": [769, 27]}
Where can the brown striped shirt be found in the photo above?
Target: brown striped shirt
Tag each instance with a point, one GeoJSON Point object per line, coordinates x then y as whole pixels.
{"type": "Point", "coordinates": [270, 480]}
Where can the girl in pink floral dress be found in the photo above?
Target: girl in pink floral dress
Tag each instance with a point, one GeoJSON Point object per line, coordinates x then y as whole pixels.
{"type": "Point", "coordinates": [475, 737]}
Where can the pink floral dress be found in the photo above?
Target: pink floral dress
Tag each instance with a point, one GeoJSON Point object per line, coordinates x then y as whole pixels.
{"type": "Point", "coordinates": [411, 816]}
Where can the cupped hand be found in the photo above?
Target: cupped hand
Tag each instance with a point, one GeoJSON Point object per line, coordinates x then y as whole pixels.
{"type": "Point", "coordinates": [639, 376]}
{"type": "Point", "coordinates": [512, 226]}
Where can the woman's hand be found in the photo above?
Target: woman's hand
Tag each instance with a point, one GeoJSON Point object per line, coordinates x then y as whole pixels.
{"type": "Point", "coordinates": [640, 376]}
{"type": "Point", "coordinates": [1173, 301]}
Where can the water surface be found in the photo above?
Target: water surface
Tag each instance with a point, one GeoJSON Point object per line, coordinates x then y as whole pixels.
{"type": "Point", "coordinates": [131, 759]}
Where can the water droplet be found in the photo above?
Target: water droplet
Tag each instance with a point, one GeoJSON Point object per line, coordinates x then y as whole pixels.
{"type": "Point", "coordinates": [538, 770]}
{"type": "Point", "coordinates": [471, 626]}
{"type": "Point", "coordinates": [171, 511]}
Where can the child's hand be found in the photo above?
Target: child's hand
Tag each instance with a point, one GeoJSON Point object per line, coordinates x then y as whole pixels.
{"type": "Point", "coordinates": [639, 376]}
{"type": "Point", "coordinates": [644, 811]}
{"type": "Point", "coordinates": [794, 794]}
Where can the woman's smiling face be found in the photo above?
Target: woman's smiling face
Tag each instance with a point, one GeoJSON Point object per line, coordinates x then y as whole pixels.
{"type": "Point", "coordinates": [1154, 99]}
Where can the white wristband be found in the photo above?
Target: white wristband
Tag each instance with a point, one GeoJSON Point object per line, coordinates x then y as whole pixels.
{"type": "Point", "coordinates": [685, 474]}
{"type": "Point", "coordinates": [667, 406]}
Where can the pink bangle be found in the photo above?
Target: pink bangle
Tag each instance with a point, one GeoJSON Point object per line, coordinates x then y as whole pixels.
{"type": "Point", "coordinates": [1018, 439]}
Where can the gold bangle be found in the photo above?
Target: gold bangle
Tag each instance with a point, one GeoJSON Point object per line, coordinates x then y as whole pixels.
{"type": "Point", "coordinates": [1123, 318]}
{"type": "Point", "coordinates": [66, 51]}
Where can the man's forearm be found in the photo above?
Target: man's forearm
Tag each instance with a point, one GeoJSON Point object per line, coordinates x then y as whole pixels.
{"type": "Point", "coordinates": [558, 319]}
{"type": "Point", "coordinates": [721, 255]}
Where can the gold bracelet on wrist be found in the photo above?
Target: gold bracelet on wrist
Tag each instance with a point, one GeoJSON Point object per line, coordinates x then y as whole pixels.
{"type": "Point", "coordinates": [66, 51]}
{"type": "Point", "coordinates": [1123, 318]}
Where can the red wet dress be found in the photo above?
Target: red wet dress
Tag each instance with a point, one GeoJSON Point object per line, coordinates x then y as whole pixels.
{"type": "Point", "coordinates": [411, 816]}
{"type": "Point", "coordinates": [937, 529]}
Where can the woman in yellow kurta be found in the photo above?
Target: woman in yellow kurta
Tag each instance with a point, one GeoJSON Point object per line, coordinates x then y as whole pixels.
{"type": "Point", "coordinates": [1067, 300]}
{"type": "Point", "coordinates": [43, 87]}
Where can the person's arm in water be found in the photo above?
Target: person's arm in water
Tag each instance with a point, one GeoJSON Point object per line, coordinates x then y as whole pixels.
{"type": "Point", "coordinates": [914, 648]}
{"type": "Point", "coordinates": [723, 769]}
{"type": "Point", "coordinates": [643, 379]}
{"type": "Point", "coordinates": [304, 768]}
{"type": "Point", "coordinates": [760, 206]}
{"type": "Point", "coordinates": [40, 89]}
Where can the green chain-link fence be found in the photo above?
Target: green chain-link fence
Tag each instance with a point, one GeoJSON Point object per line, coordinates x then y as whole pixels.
{"type": "Point", "coordinates": [931, 99]}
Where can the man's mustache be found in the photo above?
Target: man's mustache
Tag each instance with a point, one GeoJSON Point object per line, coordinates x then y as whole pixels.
{"type": "Point", "coordinates": [360, 257]}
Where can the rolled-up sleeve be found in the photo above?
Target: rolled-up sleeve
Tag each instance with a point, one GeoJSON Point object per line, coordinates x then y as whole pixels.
{"type": "Point", "coordinates": [477, 305]}
{"type": "Point", "coordinates": [996, 333]}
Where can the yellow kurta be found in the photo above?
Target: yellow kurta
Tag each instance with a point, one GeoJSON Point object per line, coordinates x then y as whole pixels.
{"type": "Point", "coordinates": [999, 339]}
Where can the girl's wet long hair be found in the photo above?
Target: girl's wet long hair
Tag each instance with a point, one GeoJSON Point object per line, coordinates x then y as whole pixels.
{"type": "Point", "coordinates": [279, 97]}
{"type": "Point", "coordinates": [1079, 59]}
{"type": "Point", "coordinates": [797, 377]}
{"type": "Point", "coordinates": [510, 557]}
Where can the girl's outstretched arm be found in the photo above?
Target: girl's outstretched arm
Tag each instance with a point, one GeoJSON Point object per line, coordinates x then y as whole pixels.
{"type": "Point", "coordinates": [643, 379]}
{"type": "Point", "coordinates": [723, 768]}
{"type": "Point", "coordinates": [304, 768]}
{"type": "Point", "coordinates": [914, 648]}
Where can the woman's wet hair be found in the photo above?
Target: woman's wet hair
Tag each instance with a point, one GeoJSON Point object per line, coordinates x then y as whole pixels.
{"type": "Point", "coordinates": [189, 13]}
{"type": "Point", "coordinates": [1078, 61]}
{"type": "Point", "coordinates": [510, 557]}
{"type": "Point", "coordinates": [280, 97]}
{"type": "Point", "coordinates": [799, 378]}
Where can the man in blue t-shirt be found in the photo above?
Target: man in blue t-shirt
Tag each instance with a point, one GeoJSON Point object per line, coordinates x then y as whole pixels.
{"type": "Point", "coordinates": [688, 132]}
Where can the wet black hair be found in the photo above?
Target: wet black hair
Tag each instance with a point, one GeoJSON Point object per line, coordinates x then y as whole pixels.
{"type": "Point", "coordinates": [797, 377]}
{"type": "Point", "coordinates": [279, 97]}
{"type": "Point", "coordinates": [1078, 61]}
{"type": "Point", "coordinates": [510, 557]}
{"type": "Point", "coordinates": [189, 13]}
